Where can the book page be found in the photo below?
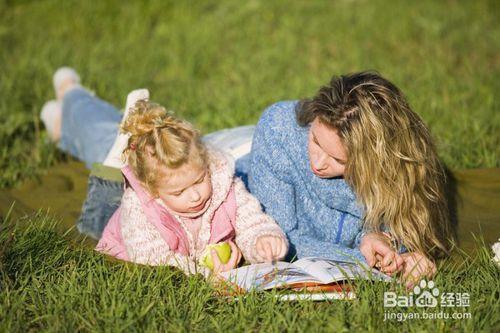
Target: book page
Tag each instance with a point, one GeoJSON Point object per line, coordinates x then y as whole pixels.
{"type": "Point", "coordinates": [317, 296]}
{"type": "Point", "coordinates": [267, 276]}
{"type": "Point", "coordinates": [328, 271]}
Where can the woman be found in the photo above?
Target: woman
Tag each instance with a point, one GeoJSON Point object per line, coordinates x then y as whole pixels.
{"type": "Point", "coordinates": [357, 138]}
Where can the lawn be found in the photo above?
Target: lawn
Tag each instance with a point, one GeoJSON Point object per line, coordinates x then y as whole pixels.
{"type": "Point", "coordinates": [52, 284]}
{"type": "Point", "coordinates": [219, 64]}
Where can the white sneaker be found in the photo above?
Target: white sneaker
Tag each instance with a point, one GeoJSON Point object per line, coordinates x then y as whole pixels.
{"type": "Point", "coordinates": [51, 115]}
{"type": "Point", "coordinates": [133, 97]}
{"type": "Point", "coordinates": [496, 252]}
{"type": "Point", "coordinates": [64, 79]}
{"type": "Point", "coordinates": [114, 157]}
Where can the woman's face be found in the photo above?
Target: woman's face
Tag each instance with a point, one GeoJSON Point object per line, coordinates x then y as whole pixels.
{"type": "Point", "coordinates": [327, 154]}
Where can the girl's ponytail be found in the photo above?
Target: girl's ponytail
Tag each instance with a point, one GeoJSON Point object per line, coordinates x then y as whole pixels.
{"type": "Point", "coordinates": [159, 138]}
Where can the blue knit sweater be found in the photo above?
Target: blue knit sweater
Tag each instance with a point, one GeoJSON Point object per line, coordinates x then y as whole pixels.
{"type": "Point", "coordinates": [319, 216]}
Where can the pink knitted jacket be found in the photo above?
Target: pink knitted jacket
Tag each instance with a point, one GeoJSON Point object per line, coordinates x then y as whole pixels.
{"type": "Point", "coordinates": [145, 245]}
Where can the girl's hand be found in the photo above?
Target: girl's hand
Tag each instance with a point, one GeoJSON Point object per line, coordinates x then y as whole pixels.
{"type": "Point", "coordinates": [416, 267]}
{"type": "Point", "coordinates": [270, 248]}
{"type": "Point", "coordinates": [377, 251]}
{"type": "Point", "coordinates": [233, 260]}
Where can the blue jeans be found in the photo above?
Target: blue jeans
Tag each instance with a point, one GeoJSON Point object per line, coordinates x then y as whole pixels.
{"type": "Point", "coordinates": [103, 199]}
{"type": "Point", "coordinates": [89, 128]}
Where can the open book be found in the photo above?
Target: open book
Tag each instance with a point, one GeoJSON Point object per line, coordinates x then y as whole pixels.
{"type": "Point", "coordinates": [309, 278]}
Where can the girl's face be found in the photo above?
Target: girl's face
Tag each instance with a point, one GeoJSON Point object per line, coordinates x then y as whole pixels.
{"type": "Point", "coordinates": [327, 154]}
{"type": "Point", "coordinates": [187, 191]}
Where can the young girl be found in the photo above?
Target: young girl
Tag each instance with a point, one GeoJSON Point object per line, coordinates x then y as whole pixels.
{"type": "Point", "coordinates": [181, 196]}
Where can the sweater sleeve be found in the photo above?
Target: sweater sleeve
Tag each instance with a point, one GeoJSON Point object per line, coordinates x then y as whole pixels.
{"type": "Point", "coordinates": [252, 223]}
{"type": "Point", "coordinates": [144, 243]}
{"type": "Point", "coordinates": [271, 185]}
{"type": "Point", "coordinates": [279, 202]}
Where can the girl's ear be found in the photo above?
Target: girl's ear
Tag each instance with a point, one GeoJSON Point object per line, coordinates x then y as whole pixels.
{"type": "Point", "coordinates": [149, 151]}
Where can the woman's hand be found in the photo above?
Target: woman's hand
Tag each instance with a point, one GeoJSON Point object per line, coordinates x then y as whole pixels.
{"type": "Point", "coordinates": [377, 250]}
{"type": "Point", "coordinates": [416, 267]}
{"type": "Point", "coordinates": [233, 260]}
{"type": "Point", "coordinates": [270, 248]}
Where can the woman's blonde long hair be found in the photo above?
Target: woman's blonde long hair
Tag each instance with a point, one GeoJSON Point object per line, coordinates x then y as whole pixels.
{"type": "Point", "coordinates": [392, 162]}
{"type": "Point", "coordinates": [158, 138]}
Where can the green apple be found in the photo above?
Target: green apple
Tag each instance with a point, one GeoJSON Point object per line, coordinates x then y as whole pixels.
{"type": "Point", "coordinates": [223, 252]}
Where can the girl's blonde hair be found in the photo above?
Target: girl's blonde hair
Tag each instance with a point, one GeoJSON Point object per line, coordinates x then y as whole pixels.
{"type": "Point", "coordinates": [392, 162]}
{"type": "Point", "coordinates": [158, 138]}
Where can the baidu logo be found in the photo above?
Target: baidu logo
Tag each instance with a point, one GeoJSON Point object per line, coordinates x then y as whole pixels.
{"type": "Point", "coordinates": [424, 295]}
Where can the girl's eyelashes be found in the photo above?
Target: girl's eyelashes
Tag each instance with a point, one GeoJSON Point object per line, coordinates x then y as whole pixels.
{"type": "Point", "coordinates": [199, 181]}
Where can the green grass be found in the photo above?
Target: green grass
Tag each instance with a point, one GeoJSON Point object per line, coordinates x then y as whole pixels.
{"type": "Point", "coordinates": [51, 284]}
{"type": "Point", "coordinates": [219, 64]}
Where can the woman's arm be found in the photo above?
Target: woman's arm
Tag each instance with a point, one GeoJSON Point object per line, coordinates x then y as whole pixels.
{"type": "Point", "coordinates": [271, 185]}
{"type": "Point", "coordinates": [144, 243]}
